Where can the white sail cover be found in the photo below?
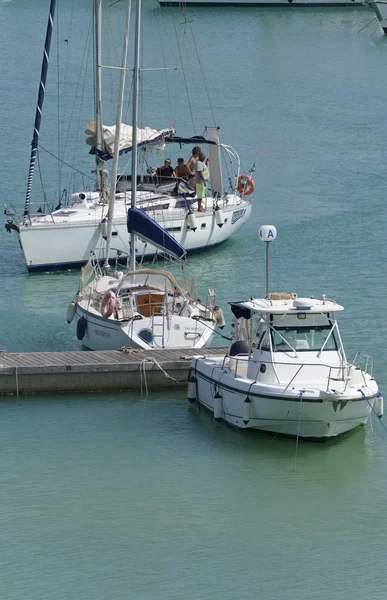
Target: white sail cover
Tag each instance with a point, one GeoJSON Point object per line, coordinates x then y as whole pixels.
{"type": "Point", "coordinates": [146, 135]}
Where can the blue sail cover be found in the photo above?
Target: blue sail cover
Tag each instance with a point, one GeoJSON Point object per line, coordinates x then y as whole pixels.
{"type": "Point", "coordinates": [148, 230]}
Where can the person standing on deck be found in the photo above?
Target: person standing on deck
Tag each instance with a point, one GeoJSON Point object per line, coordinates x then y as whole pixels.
{"type": "Point", "coordinates": [191, 164]}
{"type": "Point", "coordinates": [201, 176]}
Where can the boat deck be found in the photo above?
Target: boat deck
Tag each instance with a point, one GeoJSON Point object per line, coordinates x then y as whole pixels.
{"type": "Point", "coordinates": [114, 370]}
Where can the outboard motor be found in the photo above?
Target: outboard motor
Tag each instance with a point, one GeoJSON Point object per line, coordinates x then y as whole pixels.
{"type": "Point", "coordinates": [239, 347]}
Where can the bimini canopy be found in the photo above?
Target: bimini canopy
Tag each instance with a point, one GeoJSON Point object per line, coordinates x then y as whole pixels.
{"type": "Point", "coordinates": [146, 136]}
{"type": "Point", "coordinates": [148, 230]}
{"type": "Point", "coordinates": [288, 306]}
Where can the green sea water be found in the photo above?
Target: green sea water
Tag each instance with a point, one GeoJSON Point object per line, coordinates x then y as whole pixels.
{"type": "Point", "coordinates": [122, 497]}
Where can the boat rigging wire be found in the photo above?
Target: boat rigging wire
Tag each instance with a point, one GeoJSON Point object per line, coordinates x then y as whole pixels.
{"type": "Point", "coordinates": [65, 163]}
{"type": "Point", "coordinates": [184, 75]}
{"type": "Point", "coordinates": [203, 74]}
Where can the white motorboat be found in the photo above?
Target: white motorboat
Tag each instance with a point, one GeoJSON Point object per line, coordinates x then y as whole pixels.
{"type": "Point", "coordinates": [286, 371]}
{"type": "Point", "coordinates": [140, 308]}
{"type": "Point", "coordinates": [63, 237]}
{"type": "Point", "coordinates": [380, 9]}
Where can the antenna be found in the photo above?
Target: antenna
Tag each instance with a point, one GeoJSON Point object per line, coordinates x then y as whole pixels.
{"type": "Point", "coordinates": [267, 233]}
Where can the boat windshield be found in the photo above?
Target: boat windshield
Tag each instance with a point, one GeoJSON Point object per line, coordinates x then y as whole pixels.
{"type": "Point", "coordinates": [304, 339]}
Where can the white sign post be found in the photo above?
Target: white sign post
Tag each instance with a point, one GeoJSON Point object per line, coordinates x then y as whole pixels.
{"type": "Point", "coordinates": [267, 233]}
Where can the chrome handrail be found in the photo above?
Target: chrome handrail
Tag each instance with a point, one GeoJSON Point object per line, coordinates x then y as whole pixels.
{"type": "Point", "coordinates": [332, 370]}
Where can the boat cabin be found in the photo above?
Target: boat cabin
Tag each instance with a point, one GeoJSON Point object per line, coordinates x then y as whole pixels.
{"type": "Point", "coordinates": [290, 331]}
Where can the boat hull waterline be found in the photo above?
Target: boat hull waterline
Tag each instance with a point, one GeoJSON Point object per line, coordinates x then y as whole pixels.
{"type": "Point", "coordinates": [58, 246]}
{"type": "Point", "coordinates": [282, 412]}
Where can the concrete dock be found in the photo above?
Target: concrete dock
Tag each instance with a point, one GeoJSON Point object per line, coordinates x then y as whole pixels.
{"type": "Point", "coordinates": [113, 370]}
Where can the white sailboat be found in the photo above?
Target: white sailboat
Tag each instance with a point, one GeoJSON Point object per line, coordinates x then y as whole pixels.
{"type": "Point", "coordinates": [145, 308]}
{"type": "Point", "coordinates": [286, 371]}
{"type": "Point", "coordinates": [64, 237]}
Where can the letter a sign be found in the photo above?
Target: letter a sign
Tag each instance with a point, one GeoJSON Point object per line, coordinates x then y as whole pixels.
{"type": "Point", "coordinates": [267, 233]}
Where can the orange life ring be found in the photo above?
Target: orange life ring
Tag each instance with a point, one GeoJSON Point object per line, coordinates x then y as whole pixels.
{"type": "Point", "coordinates": [245, 185]}
{"type": "Point", "coordinates": [109, 304]}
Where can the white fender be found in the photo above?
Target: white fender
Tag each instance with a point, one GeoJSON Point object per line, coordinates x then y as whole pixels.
{"type": "Point", "coordinates": [219, 317]}
{"type": "Point", "coordinates": [104, 228]}
{"type": "Point", "coordinates": [219, 219]}
{"type": "Point", "coordinates": [218, 406]}
{"type": "Point", "coordinates": [71, 311]}
{"type": "Point", "coordinates": [191, 221]}
{"type": "Point", "coordinates": [246, 410]}
{"type": "Point", "coordinates": [379, 405]}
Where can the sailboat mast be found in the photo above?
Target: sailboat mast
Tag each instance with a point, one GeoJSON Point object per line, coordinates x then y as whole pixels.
{"type": "Point", "coordinates": [117, 134]}
{"type": "Point", "coordinates": [136, 77]}
{"type": "Point", "coordinates": [39, 107]}
{"type": "Point", "coordinates": [99, 163]}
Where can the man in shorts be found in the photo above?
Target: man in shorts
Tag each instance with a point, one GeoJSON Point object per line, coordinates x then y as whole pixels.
{"type": "Point", "coordinates": [200, 181]}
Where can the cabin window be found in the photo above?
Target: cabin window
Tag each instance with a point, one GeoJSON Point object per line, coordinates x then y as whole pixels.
{"type": "Point", "coordinates": [304, 339]}
{"type": "Point", "coordinates": [173, 228]}
{"type": "Point", "coordinates": [203, 225]}
{"type": "Point", "coordinates": [264, 343]}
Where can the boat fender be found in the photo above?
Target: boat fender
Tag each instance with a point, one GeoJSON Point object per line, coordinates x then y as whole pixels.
{"type": "Point", "coordinates": [219, 317]}
{"type": "Point", "coordinates": [81, 328]}
{"type": "Point", "coordinates": [218, 406]}
{"type": "Point", "coordinates": [245, 185]}
{"type": "Point", "coordinates": [246, 410]}
{"type": "Point", "coordinates": [379, 405]}
{"type": "Point", "coordinates": [240, 347]}
{"type": "Point", "coordinates": [109, 304]}
{"type": "Point", "coordinates": [192, 381]}
{"type": "Point", "coordinates": [191, 221]}
{"type": "Point", "coordinates": [71, 311]}
{"type": "Point", "coordinates": [219, 219]}
{"type": "Point", "coordinates": [104, 228]}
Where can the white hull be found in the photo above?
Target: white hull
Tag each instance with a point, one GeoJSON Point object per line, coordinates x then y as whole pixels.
{"type": "Point", "coordinates": [279, 411]}
{"type": "Point", "coordinates": [262, 3]}
{"type": "Point", "coordinates": [61, 245]}
{"type": "Point", "coordinates": [108, 334]}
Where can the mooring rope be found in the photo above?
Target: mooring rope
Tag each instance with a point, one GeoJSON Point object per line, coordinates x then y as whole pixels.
{"type": "Point", "coordinates": [298, 428]}
{"type": "Point", "coordinates": [373, 410]}
{"type": "Point", "coordinates": [157, 364]}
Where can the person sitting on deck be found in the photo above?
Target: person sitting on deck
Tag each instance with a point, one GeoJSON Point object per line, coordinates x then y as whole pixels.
{"type": "Point", "coordinates": [166, 170]}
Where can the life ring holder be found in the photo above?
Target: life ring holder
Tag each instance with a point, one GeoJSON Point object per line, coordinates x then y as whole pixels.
{"type": "Point", "coordinates": [109, 305]}
{"type": "Point", "coordinates": [245, 185]}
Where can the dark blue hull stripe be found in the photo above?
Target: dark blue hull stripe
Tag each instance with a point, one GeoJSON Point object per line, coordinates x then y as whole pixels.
{"type": "Point", "coordinates": [122, 261]}
{"type": "Point", "coordinates": [222, 386]}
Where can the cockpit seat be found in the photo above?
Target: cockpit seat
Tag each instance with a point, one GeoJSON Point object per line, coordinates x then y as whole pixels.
{"type": "Point", "coordinates": [301, 345]}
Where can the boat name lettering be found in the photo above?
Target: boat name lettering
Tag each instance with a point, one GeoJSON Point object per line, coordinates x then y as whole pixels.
{"type": "Point", "coordinates": [102, 333]}
{"type": "Point", "coordinates": [237, 214]}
